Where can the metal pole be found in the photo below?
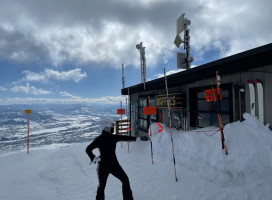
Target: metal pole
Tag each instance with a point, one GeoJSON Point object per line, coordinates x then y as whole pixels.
{"type": "Point", "coordinates": [27, 133]}
{"type": "Point", "coordinates": [170, 125]}
{"type": "Point", "coordinates": [127, 121]}
{"type": "Point", "coordinates": [123, 76]}
{"type": "Point", "coordinates": [121, 124]}
{"type": "Point", "coordinates": [187, 47]}
{"type": "Point", "coordinates": [150, 132]}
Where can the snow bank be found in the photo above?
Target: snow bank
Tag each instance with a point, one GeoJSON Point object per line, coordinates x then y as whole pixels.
{"type": "Point", "coordinates": [249, 146]}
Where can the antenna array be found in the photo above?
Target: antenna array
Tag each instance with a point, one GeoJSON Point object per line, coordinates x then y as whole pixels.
{"type": "Point", "coordinates": [183, 59]}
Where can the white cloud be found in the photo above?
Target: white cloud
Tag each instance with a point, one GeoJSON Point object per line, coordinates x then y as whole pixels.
{"type": "Point", "coordinates": [76, 75]}
{"type": "Point", "coordinates": [101, 100]}
{"type": "Point", "coordinates": [3, 89]}
{"type": "Point", "coordinates": [67, 94]}
{"type": "Point", "coordinates": [91, 33]}
{"type": "Point", "coordinates": [114, 43]}
{"type": "Point", "coordinates": [27, 89]}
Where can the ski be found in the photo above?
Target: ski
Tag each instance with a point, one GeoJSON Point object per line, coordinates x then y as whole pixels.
{"type": "Point", "coordinates": [170, 125]}
{"type": "Point", "coordinates": [252, 97]}
{"type": "Point", "coordinates": [260, 100]}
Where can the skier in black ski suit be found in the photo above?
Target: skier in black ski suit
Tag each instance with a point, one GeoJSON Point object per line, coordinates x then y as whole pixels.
{"type": "Point", "coordinates": [108, 163]}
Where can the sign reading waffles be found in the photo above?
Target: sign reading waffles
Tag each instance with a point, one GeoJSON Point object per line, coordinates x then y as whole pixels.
{"type": "Point", "coordinates": [176, 100]}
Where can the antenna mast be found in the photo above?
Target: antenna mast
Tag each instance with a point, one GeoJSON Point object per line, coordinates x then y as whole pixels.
{"type": "Point", "coordinates": [123, 76]}
{"type": "Point", "coordinates": [183, 60]}
{"type": "Point", "coordinates": [141, 50]}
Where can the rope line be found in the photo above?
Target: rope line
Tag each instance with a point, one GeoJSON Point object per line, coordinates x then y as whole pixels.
{"type": "Point", "coordinates": [217, 130]}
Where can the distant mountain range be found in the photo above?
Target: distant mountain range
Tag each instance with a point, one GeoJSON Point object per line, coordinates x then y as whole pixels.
{"type": "Point", "coordinates": [50, 124]}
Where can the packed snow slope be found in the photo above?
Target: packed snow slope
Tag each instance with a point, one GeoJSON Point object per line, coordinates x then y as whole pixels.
{"type": "Point", "coordinates": [203, 169]}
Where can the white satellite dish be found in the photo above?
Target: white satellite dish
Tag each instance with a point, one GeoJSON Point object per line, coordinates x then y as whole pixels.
{"type": "Point", "coordinates": [181, 60]}
{"type": "Point", "coordinates": [182, 24]}
{"type": "Point", "coordinates": [180, 27]}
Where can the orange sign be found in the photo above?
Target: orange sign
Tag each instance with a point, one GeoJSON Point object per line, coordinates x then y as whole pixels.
{"type": "Point", "coordinates": [121, 111]}
{"type": "Point", "coordinates": [150, 110]}
{"type": "Point", "coordinates": [27, 111]}
{"type": "Point", "coordinates": [211, 95]}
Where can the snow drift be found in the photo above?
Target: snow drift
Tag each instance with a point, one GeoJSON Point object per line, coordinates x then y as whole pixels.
{"type": "Point", "coordinates": [249, 146]}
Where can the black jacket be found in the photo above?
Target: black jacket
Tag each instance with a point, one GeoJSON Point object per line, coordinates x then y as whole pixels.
{"type": "Point", "coordinates": [106, 143]}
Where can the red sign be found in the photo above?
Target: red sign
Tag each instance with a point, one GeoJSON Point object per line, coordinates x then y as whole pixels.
{"type": "Point", "coordinates": [160, 127]}
{"type": "Point", "coordinates": [121, 111]}
{"type": "Point", "coordinates": [150, 110]}
{"type": "Point", "coordinates": [211, 95]}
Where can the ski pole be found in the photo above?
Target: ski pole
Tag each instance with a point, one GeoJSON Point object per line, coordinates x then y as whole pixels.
{"type": "Point", "coordinates": [151, 145]}
{"type": "Point", "coordinates": [173, 156]}
{"type": "Point", "coordinates": [170, 125]}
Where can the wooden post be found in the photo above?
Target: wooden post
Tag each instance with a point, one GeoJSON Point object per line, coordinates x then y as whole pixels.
{"type": "Point", "coordinates": [28, 112]}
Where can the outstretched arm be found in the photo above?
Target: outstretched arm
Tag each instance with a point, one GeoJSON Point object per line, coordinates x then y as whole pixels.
{"type": "Point", "coordinates": [124, 138]}
{"type": "Point", "coordinates": [91, 147]}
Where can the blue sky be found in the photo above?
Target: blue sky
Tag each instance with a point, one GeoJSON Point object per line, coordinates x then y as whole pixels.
{"type": "Point", "coordinates": [68, 51]}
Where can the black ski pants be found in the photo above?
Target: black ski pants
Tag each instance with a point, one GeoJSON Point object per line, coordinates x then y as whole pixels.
{"type": "Point", "coordinates": [114, 168]}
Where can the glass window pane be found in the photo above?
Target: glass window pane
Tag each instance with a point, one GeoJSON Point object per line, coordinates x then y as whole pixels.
{"type": "Point", "coordinates": [224, 104]}
{"type": "Point", "coordinates": [143, 102]}
{"type": "Point", "coordinates": [153, 117]}
{"type": "Point", "coordinates": [201, 95]}
{"type": "Point", "coordinates": [204, 119]}
{"type": "Point", "coordinates": [206, 106]}
{"type": "Point", "coordinates": [211, 106]}
{"type": "Point", "coordinates": [152, 102]}
{"type": "Point", "coordinates": [225, 119]}
{"type": "Point", "coordinates": [225, 93]}
{"type": "Point", "coordinates": [211, 119]}
{"type": "Point", "coordinates": [141, 113]}
{"type": "Point", "coordinates": [143, 123]}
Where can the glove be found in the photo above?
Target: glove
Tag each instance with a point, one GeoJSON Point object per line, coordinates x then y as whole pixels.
{"type": "Point", "coordinates": [96, 160]}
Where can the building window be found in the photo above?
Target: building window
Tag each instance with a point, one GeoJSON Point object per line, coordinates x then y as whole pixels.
{"type": "Point", "coordinates": [153, 103]}
{"type": "Point", "coordinates": [204, 113]}
{"type": "Point", "coordinates": [144, 119]}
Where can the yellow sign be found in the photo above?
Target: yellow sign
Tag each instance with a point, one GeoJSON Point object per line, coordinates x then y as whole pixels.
{"type": "Point", "coordinates": [176, 100]}
{"type": "Point", "coordinates": [27, 111]}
